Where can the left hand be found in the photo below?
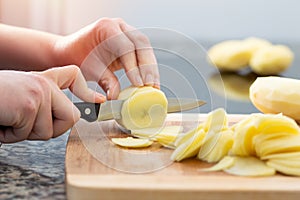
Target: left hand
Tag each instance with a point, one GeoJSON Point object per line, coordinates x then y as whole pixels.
{"type": "Point", "coordinates": [106, 46]}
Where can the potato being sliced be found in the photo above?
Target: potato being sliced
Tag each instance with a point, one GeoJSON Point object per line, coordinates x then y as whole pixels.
{"type": "Point", "coordinates": [190, 148]}
{"type": "Point", "coordinates": [250, 166]}
{"type": "Point", "coordinates": [132, 142]}
{"type": "Point", "coordinates": [144, 107]}
{"type": "Point", "coordinates": [225, 163]}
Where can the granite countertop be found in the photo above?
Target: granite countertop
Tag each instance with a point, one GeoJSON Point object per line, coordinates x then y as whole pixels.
{"type": "Point", "coordinates": [33, 169]}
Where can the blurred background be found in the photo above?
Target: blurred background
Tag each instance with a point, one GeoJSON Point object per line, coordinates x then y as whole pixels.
{"type": "Point", "coordinates": [187, 27]}
{"type": "Point", "coordinates": [199, 19]}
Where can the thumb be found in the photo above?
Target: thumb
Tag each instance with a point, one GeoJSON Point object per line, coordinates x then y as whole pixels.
{"type": "Point", "coordinates": [72, 78]}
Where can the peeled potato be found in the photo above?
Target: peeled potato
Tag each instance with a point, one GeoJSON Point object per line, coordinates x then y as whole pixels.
{"type": "Point", "coordinates": [132, 142]}
{"type": "Point", "coordinates": [277, 95]}
{"type": "Point", "coordinates": [263, 57]}
{"type": "Point", "coordinates": [271, 59]}
{"type": "Point", "coordinates": [253, 44]}
{"type": "Point", "coordinates": [229, 55]}
{"type": "Point", "coordinates": [145, 107]}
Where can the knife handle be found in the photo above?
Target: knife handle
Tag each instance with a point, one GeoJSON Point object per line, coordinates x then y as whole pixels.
{"type": "Point", "coordinates": [88, 111]}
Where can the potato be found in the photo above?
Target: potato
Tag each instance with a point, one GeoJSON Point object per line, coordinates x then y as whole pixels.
{"type": "Point", "coordinates": [144, 107]}
{"type": "Point", "coordinates": [132, 142]}
{"type": "Point", "coordinates": [263, 57]}
{"type": "Point", "coordinates": [276, 95]}
{"type": "Point", "coordinates": [246, 133]}
{"type": "Point", "coordinates": [250, 166]}
{"type": "Point", "coordinates": [253, 44]}
{"type": "Point", "coordinates": [189, 144]}
{"type": "Point", "coordinates": [229, 55]}
{"type": "Point", "coordinates": [284, 167]}
{"type": "Point", "coordinates": [225, 163]}
{"type": "Point", "coordinates": [190, 148]}
{"type": "Point", "coordinates": [218, 146]}
{"type": "Point", "coordinates": [271, 60]}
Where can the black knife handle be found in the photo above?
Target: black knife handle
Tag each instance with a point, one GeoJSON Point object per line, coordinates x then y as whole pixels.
{"type": "Point", "coordinates": [88, 111]}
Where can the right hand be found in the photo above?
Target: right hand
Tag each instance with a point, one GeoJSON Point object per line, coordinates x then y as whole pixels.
{"type": "Point", "coordinates": [32, 105]}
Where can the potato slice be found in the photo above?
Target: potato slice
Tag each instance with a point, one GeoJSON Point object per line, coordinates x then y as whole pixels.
{"type": "Point", "coordinates": [218, 146]}
{"type": "Point", "coordinates": [153, 133]}
{"type": "Point", "coordinates": [250, 166]}
{"type": "Point", "coordinates": [183, 138]}
{"type": "Point", "coordinates": [146, 107]}
{"type": "Point", "coordinates": [216, 121]}
{"type": "Point", "coordinates": [284, 168]}
{"type": "Point", "coordinates": [168, 136]}
{"type": "Point", "coordinates": [290, 143]}
{"type": "Point", "coordinates": [132, 142]}
{"type": "Point", "coordinates": [290, 156]}
{"type": "Point", "coordinates": [248, 129]}
{"type": "Point", "coordinates": [276, 95]}
{"type": "Point", "coordinates": [190, 148]}
{"type": "Point", "coordinates": [272, 59]}
{"type": "Point", "coordinates": [225, 163]}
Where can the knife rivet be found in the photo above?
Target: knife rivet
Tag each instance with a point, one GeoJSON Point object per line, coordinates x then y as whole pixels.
{"type": "Point", "coordinates": [87, 111]}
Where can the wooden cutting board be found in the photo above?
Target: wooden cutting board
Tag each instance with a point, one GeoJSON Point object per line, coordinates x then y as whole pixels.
{"type": "Point", "coordinates": [97, 169]}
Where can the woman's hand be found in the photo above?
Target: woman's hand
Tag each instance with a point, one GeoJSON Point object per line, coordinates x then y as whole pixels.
{"type": "Point", "coordinates": [109, 45]}
{"type": "Point", "coordinates": [32, 105]}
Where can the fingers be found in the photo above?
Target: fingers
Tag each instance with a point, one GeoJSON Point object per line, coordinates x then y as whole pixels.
{"type": "Point", "coordinates": [110, 84]}
{"type": "Point", "coordinates": [132, 48]}
{"type": "Point", "coordinates": [119, 45]}
{"type": "Point", "coordinates": [71, 77]}
{"type": "Point", "coordinates": [65, 114]}
{"type": "Point", "coordinates": [43, 128]}
{"type": "Point", "coordinates": [145, 56]}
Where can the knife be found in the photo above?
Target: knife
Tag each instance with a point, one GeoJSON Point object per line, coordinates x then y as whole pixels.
{"type": "Point", "coordinates": [112, 109]}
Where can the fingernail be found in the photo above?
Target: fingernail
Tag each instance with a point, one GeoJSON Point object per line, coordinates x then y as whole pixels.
{"type": "Point", "coordinates": [139, 81]}
{"type": "Point", "coordinates": [149, 79]}
{"type": "Point", "coordinates": [157, 83]}
{"type": "Point", "coordinates": [108, 94]}
{"type": "Point", "coordinates": [99, 97]}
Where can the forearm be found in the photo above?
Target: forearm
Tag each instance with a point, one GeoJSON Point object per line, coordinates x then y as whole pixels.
{"type": "Point", "coordinates": [26, 49]}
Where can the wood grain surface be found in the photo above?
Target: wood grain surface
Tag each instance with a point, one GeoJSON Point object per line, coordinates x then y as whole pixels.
{"type": "Point", "coordinates": [97, 169]}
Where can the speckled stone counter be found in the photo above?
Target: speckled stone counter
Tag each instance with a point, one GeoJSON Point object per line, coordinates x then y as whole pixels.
{"type": "Point", "coordinates": [33, 169]}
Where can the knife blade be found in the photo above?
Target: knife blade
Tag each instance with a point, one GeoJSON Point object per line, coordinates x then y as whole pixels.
{"type": "Point", "coordinates": [112, 109]}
